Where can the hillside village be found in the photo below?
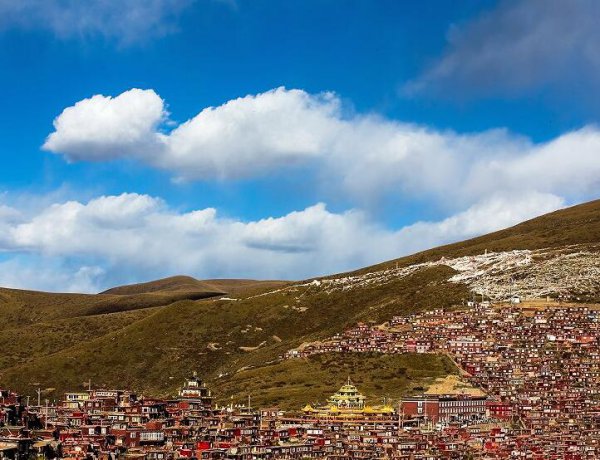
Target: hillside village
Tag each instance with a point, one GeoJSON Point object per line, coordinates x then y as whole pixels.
{"type": "Point", "coordinates": [529, 388]}
{"type": "Point", "coordinates": [538, 368]}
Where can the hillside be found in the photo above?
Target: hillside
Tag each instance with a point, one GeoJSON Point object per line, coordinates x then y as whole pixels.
{"type": "Point", "coordinates": [18, 307]}
{"type": "Point", "coordinates": [235, 340]}
{"type": "Point", "coordinates": [38, 324]}
{"type": "Point", "coordinates": [577, 225]}
{"type": "Point", "coordinates": [189, 286]}
{"type": "Point", "coordinates": [171, 284]}
{"type": "Point", "coordinates": [291, 384]}
{"type": "Point", "coordinates": [220, 337]}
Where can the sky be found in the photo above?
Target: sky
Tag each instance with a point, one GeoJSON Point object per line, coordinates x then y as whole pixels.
{"type": "Point", "coordinates": [284, 139]}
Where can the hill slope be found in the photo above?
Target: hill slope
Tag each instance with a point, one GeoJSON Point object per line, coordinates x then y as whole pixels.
{"type": "Point", "coordinates": [577, 225]}
{"type": "Point", "coordinates": [190, 286]}
{"type": "Point", "coordinates": [171, 284]}
{"type": "Point", "coordinates": [235, 344]}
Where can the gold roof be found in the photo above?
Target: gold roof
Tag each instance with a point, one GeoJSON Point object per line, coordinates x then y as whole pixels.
{"type": "Point", "coordinates": [348, 401]}
{"type": "Point", "coordinates": [348, 395]}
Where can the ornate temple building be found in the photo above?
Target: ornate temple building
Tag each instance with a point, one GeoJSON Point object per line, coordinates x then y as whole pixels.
{"type": "Point", "coordinates": [195, 388]}
{"type": "Point", "coordinates": [347, 402]}
{"type": "Point", "coordinates": [194, 399]}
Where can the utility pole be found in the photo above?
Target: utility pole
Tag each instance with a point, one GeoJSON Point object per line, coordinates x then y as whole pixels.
{"type": "Point", "coordinates": [46, 417]}
{"type": "Point", "coordinates": [400, 418]}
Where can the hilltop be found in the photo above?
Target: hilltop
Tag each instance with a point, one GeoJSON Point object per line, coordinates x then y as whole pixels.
{"type": "Point", "coordinates": [172, 284]}
{"type": "Point", "coordinates": [188, 286]}
{"type": "Point", "coordinates": [148, 338]}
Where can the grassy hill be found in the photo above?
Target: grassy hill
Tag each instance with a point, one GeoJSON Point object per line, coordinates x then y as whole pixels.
{"type": "Point", "coordinates": [171, 284]}
{"type": "Point", "coordinates": [149, 336]}
{"type": "Point", "coordinates": [188, 286]}
{"type": "Point", "coordinates": [155, 352]}
{"type": "Point", "coordinates": [20, 344]}
{"type": "Point", "coordinates": [293, 383]}
{"type": "Point", "coordinates": [18, 308]}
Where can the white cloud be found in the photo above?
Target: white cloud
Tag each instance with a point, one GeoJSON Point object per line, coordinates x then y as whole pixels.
{"type": "Point", "coordinates": [8, 213]}
{"type": "Point", "coordinates": [517, 46]}
{"type": "Point", "coordinates": [101, 128]}
{"type": "Point", "coordinates": [242, 138]}
{"type": "Point", "coordinates": [43, 274]}
{"type": "Point", "coordinates": [491, 214]}
{"type": "Point", "coordinates": [568, 165]}
{"type": "Point", "coordinates": [364, 155]}
{"type": "Point", "coordinates": [126, 21]}
{"type": "Point", "coordinates": [88, 246]}
{"type": "Point", "coordinates": [252, 135]}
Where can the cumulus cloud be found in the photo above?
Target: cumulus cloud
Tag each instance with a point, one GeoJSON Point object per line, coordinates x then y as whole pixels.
{"type": "Point", "coordinates": [363, 155]}
{"type": "Point", "coordinates": [253, 134]}
{"type": "Point", "coordinates": [517, 46]}
{"type": "Point", "coordinates": [125, 21]}
{"type": "Point", "coordinates": [89, 246]}
{"type": "Point", "coordinates": [242, 138]}
{"type": "Point", "coordinates": [101, 128]}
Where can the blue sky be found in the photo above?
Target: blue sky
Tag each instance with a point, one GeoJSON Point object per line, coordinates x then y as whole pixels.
{"type": "Point", "coordinates": [343, 132]}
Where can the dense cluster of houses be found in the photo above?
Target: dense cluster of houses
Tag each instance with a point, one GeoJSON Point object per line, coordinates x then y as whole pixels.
{"type": "Point", "coordinates": [112, 424]}
{"type": "Point", "coordinates": [539, 367]}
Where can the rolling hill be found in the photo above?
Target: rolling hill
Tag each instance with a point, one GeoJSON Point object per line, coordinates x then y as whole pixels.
{"type": "Point", "coordinates": [149, 336]}
{"type": "Point", "coordinates": [171, 284]}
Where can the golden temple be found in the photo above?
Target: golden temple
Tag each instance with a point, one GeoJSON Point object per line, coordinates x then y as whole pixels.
{"type": "Point", "coordinates": [347, 402]}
